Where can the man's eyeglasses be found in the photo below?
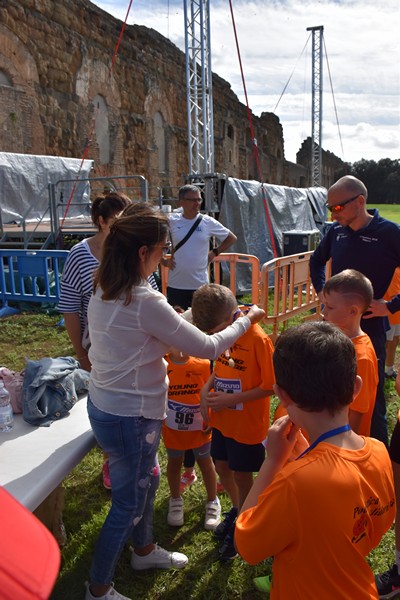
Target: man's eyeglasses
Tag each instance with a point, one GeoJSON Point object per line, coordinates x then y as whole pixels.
{"type": "Point", "coordinates": [339, 207]}
{"type": "Point", "coordinates": [197, 199]}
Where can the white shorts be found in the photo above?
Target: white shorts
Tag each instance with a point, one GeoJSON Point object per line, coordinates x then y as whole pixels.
{"type": "Point", "coordinates": [393, 331]}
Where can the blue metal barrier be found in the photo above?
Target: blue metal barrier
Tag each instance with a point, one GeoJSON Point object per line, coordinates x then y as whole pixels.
{"type": "Point", "coordinates": [30, 276]}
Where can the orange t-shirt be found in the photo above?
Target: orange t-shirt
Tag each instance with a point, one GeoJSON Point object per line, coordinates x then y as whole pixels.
{"type": "Point", "coordinates": [183, 427]}
{"type": "Point", "coordinates": [319, 518]}
{"type": "Point", "coordinates": [393, 290]}
{"type": "Point", "coordinates": [247, 422]}
{"type": "Point", "coordinates": [367, 369]}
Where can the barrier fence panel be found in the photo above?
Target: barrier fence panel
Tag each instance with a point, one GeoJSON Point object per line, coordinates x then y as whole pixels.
{"type": "Point", "coordinates": [30, 276]}
{"type": "Point", "coordinates": [293, 292]}
{"type": "Point", "coordinates": [232, 260]}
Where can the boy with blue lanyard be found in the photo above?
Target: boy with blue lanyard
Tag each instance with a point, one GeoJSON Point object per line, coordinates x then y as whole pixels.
{"type": "Point", "coordinates": [318, 509]}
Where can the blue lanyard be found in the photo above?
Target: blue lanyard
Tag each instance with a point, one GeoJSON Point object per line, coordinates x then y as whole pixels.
{"type": "Point", "coordinates": [238, 311]}
{"type": "Point", "coordinates": [325, 436]}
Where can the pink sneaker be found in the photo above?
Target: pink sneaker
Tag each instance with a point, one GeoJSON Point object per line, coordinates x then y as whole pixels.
{"type": "Point", "coordinates": [187, 479]}
{"type": "Point", "coordinates": [106, 475]}
{"type": "Point", "coordinates": [220, 487]}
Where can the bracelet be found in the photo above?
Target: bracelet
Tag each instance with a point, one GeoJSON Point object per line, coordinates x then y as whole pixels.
{"type": "Point", "coordinates": [216, 251]}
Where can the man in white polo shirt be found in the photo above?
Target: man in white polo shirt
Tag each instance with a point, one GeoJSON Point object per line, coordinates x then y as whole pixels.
{"type": "Point", "coordinates": [190, 259]}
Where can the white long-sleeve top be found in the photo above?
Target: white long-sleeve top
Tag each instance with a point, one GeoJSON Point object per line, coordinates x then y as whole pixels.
{"type": "Point", "coordinates": [129, 374]}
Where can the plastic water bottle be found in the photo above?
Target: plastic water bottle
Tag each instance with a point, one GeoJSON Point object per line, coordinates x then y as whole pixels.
{"type": "Point", "coordinates": [6, 411]}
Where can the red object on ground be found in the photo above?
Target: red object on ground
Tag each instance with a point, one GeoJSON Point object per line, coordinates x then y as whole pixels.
{"type": "Point", "coordinates": [29, 554]}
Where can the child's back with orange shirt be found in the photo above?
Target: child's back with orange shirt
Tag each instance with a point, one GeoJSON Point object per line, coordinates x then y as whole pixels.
{"type": "Point", "coordinates": [321, 514]}
{"type": "Point", "coordinates": [347, 296]}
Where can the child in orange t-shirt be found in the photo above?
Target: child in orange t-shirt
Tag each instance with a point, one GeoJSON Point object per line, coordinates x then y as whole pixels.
{"type": "Point", "coordinates": [236, 402]}
{"type": "Point", "coordinates": [392, 336]}
{"type": "Point", "coordinates": [347, 296]}
{"type": "Point", "coordinates": [184, 429]}
{"type": "Point", "coordinates": [321, 514]}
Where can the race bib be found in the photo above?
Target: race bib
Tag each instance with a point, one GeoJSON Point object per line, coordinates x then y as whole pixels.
{"type": "Point", "coordinates": [229, 386]}
{"type": "Point", "coordinates": [183, 417]}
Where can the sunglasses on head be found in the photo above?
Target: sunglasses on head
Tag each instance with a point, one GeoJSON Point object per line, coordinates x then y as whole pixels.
{"type": "Point", "coordinates": [339, 207]}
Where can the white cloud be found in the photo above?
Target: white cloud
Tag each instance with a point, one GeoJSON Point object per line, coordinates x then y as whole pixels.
{"type": "Point", "coordinates": [363, 49]}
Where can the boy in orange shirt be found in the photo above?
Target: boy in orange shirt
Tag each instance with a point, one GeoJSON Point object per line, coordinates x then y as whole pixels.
{"type": "Point", "coordinates": [236, 402]}
{"type": "Point", "coordinates": [347, 296]}
{"type": "Point", "coordinates": [184, 429]}
{"type": "Point", "coordinates": [392, 336]}
{"type": "Point", "coordinates": [321, 514]}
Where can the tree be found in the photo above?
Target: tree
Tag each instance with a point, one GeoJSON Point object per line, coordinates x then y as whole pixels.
{"type": "Point", "coordinates": [382, 179]}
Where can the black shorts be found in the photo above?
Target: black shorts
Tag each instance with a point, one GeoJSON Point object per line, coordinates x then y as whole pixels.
{"type": "Point", "coordinates": [182, 298]}
{"type": "Point", "coordinates": [394, 448]}
{"type": "Point", "coordinates": [246, 458]}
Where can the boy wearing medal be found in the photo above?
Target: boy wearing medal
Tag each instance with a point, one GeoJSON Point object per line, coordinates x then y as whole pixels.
{"type": "Point", "coordinates": [235, 402]}
{"type": "Point", "coordinates": [320, 514]}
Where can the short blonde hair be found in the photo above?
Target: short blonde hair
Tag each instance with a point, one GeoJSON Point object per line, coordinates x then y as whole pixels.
{"type": "Point", "coordinates": [212, 304]}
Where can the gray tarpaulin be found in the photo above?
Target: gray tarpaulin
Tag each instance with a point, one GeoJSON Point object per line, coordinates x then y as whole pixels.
{"type": "Point", "coordinates": [243, 212]}
{"type": "Point", "coordinates": [24, 181]}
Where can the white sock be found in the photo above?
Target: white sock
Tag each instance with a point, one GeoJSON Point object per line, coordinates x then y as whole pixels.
{"type": "Point", "coordinates": [389, 370]}
{"type": "Point", "coordinates": [398, 560]}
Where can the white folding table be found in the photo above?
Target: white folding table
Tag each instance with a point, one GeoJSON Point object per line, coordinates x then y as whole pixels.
{"type": "Point", "coordinates": [35, 460]}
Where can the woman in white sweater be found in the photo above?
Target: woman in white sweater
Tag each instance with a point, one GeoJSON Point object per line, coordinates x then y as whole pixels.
{"type": "Point", "coordinates": [131, 328]}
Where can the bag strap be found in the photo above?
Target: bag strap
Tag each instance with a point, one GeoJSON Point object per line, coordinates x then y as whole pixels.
{"type": "Point", "coordinates": [189, 233]}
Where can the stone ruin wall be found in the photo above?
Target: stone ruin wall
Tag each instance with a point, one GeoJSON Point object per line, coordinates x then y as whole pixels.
{"type": "Point", "coordinates": [332, 165]}
{"type": "Point", "coordinates": [56, 93]}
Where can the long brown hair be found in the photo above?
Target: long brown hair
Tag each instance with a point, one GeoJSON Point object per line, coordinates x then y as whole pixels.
{"type": "Point", "coordinates": [120, 269]}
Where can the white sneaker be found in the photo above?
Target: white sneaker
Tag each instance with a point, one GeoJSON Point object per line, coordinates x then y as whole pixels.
{"type": "Point", "coordinates": [175, 512]}
{"type": "Point", "coordinates": [213, 514]}
{"type": "Point", "coordinates": [159, 559]}
{"type": "Point", "coordinates": [112, 594]}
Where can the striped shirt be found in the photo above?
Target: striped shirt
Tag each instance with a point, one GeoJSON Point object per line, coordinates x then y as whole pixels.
{"type": "Point", "coordinates": [77, 281]}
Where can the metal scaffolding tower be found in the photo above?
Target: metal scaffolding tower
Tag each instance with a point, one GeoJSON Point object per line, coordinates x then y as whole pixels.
{"type": "Point", "coordinates": [316, 111]}
{"type": "Point", "coordinates": [199, 86]}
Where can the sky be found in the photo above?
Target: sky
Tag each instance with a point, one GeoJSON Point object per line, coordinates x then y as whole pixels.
{"type": "Point", "coordinates": [361, 55]}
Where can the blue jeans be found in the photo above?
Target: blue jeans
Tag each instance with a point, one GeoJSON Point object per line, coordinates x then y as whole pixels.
{"type": "Point", "coordinates": [131, 443]}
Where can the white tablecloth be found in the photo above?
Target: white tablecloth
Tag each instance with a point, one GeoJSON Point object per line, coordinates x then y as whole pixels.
{"type": "Point", "coordinates": [34, 460]}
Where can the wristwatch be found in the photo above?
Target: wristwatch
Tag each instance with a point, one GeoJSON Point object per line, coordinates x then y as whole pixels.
{"type": "Point", "coordinates": [216, 251]}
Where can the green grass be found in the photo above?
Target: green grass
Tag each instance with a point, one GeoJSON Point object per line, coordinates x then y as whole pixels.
{"type": "Point", "coordinates": [35, 335]}
{"type": "Point", "coordinates": [388, 211]}
{"type": "Point", "coordinates": [86, 504]}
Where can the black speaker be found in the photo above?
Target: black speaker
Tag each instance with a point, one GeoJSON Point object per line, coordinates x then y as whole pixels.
{"type": "Point", "coordinates": [296, 242]}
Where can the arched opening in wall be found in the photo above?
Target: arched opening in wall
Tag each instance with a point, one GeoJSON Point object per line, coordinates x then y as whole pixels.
{"type": "Point", "coordinates": [5, 79]}
{"type": "Point", "coordinates": [230, 132]}
{"type": "Point", "coordinates": [102, 128]}
{"type": "Point", "coordinates": [160, 142]}
{"type": "Point", "coordinates": [278, 153]}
